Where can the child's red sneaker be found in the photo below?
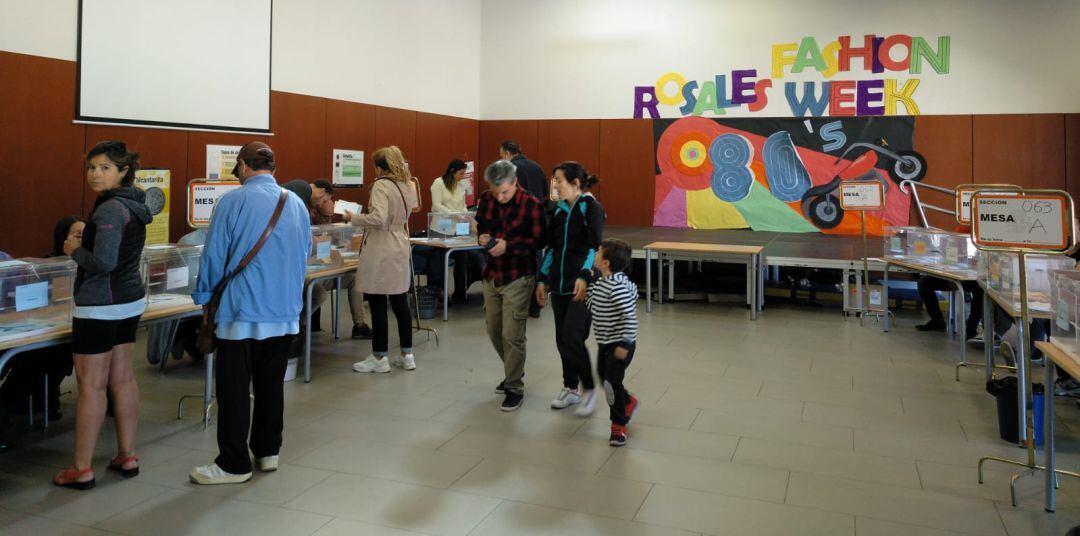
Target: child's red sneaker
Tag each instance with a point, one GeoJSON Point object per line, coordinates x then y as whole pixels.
{"type": "Point", "coordinates": [618, 435]}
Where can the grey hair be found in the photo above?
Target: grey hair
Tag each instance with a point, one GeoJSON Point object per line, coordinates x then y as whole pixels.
{"type": "Point", "coordinates": [501, 172]}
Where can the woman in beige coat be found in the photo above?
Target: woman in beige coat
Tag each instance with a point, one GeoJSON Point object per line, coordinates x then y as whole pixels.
{"type": "Point", "coordinates": [384, 271]}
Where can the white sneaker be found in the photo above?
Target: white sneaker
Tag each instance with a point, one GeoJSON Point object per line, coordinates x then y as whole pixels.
{"type": "Point", "coordinates": [268, 464]}
{"type": "Point", "coordinates": [566, 398]}
{"type": "Point", "coordinates": [406, 361]}
{"type": "Point", "coordinates": [208, 475]}
{"type": "Point", "coordinates": [372, 364]}
{"type": "Point", "coordinates": [588, 403]}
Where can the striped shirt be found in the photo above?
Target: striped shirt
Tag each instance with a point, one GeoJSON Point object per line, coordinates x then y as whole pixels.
{"type": "Point", "coordinates": [613, 304]}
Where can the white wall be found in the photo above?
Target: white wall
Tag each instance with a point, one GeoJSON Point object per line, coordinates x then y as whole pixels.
{"type": "Point", "coordinates": [420, 55]}
{"type": "Point", "coordinates": [574, 58]}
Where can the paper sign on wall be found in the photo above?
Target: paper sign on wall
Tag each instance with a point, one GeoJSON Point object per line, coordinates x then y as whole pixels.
{"type": "Point", "coordinates": [1036, 221]}
{"type": "Point", "coordinates": [202, 198]}
{"type": "Point", "coordinates": [31, 296]}
{"type": "Point", "coordinates": [220, 160]}
{"type": "Point", "coordinates": [862, 195]}
{"type": "Point", "coordinates": [348, 168]}
{"type": "Point", "coordinates": [155, 183]}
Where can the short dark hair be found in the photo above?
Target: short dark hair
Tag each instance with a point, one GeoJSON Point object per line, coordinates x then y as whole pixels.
{"type": "Point", "coordinates": [260, 164]}
{"type": "Point", "coordinates": [325, 185]}
{"type": "Point", "coordinates": [511, 147]}
{"type": "Point", "coordinates": [118, 154]}
{"type": "Point", "coordinates": [617, 254]}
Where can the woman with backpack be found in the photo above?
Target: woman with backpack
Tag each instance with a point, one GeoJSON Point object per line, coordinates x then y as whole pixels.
{"type": "Point", "coordinates": [574, 232]}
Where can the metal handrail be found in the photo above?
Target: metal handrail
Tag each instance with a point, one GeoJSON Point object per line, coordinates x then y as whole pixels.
{"type": "Point", "coordinates": [914, 191]}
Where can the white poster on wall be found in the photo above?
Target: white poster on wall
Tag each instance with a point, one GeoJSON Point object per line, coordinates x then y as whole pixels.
{"type": "Point", "coordinates": [348, 168]}
{"type": "Point", "coordinates": [220, 160]}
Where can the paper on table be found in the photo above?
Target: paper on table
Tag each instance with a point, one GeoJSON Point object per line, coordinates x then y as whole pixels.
{"type": "Point", "coordinates": [340, 206]}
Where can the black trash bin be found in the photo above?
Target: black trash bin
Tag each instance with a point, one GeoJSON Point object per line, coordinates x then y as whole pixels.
{"type": "Point", "coordinates": [1004, 391]}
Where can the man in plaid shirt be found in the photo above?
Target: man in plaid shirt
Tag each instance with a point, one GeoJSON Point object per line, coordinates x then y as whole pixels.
{"type": "Point", "coordinates": [511, 226]}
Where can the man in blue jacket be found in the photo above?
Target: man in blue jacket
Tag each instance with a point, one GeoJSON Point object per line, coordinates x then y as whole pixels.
{"type": "Point", "coordinates": [258, 316]}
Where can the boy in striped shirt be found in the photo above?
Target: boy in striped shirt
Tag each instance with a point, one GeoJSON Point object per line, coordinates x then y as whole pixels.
{"type": "Point", "coordinates": [613, 304]}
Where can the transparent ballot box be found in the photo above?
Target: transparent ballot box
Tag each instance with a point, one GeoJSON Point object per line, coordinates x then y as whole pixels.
{"type": "Point", "coordinates": [451, 226]}
{"type": "Point", "coordinates": [35, 296]}
{"type": "Point", "coordinates": [170, 273]}
{"type": "Point", "coordinates": [914, 244]}
{"type": "Point", "coordinates": [330, 243]}
{"type": "Point", "coordinates": [1003, 277]}
{"type": "Point", "coordinates": [958, 252]}
{"type": "Point", "coordinates": [1064, 301]}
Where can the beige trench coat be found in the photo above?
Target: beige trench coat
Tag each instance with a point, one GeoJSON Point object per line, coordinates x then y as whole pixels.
{"type": "Point", "coordinates": [384, 260]}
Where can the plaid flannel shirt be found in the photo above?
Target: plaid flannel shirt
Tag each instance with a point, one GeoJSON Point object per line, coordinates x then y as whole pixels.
{"type": "Point", "coordinates": [520, 222]}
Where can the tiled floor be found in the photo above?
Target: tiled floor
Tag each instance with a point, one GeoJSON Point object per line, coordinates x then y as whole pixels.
{"type": "Point", "coordinates": [799, 423]}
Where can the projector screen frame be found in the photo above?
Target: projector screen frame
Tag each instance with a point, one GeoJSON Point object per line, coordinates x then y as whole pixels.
{"type": "Point", "coordinates": [114, 121]}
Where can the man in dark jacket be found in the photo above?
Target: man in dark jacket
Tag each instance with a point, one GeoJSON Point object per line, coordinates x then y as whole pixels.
{"type": "Point", "coordinates": [531, 177]}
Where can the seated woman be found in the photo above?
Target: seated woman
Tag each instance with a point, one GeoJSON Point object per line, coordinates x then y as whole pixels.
{"type": "Point", "coordinates": [448, 195]}
{"type": "Point", "coordinates": [24, 378]}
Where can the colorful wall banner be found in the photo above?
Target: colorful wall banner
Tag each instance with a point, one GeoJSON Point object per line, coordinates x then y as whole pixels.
{"type": "Point", "coordinates": [885, 64]}
{"type": "Point", "coordinates": [780, 174]}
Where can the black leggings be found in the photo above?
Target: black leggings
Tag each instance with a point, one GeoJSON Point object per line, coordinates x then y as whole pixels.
{"type": "Point", "coordinates": [380, 323]}
{"type": "Point", "coordinates": [572, 322]}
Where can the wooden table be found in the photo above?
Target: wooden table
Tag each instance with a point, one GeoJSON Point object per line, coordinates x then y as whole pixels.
{"type": "Point", "coordinates": [737, 254]}
{"type": "Point", "coordinates": [311, 278]}
{"type": "Point", "coordinates": [957, 278]}
{"type": "Point", "coordinates": [448, 247]}
{"type": "Point", "coordinates": [1071, 365]}
{"type": "Point", "coordinates": [13, 347]}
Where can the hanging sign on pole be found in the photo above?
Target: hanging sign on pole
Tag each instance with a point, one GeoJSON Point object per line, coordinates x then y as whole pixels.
{"type": "Point", "coordinates": [1034, 220]}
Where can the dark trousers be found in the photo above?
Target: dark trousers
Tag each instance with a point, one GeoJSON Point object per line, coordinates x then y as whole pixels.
{"type": "Point", "coordinates": [612, 372]}
{"type": "Point", "coordinates": [262, 364]}
{"type": "Point", "coordinates": [572, 322]}
{"type": "Point", "coordinates": [928, 286]}
{"type": "Point", "coordinates": [380, 323]}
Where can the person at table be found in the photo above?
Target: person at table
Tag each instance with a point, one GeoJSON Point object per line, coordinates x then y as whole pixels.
{"type": "Point", "coordinates": [574, 234]}
{"type": "Point", "coordinates": [109, 297]}
{"type": "Point", "coordinates": [928, 286]}
{"type": "Point", "coordinates": [448, 196]}
{"type": "Point", "coordinates": [322, 213]}
{"type": "Point", "coordinates": [511, 224]}
{"type": "Point", "coordinates": [24, 375]}
{"type": "Point", "coordinates": [258, 315]}
{"type": "Point", "coordinates": [384, 271]}
{"type": "Point", "coordinates": [531, 177]}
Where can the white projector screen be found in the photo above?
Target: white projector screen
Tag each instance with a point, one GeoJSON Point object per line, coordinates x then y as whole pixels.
{"type": "Point", "coordinates": [198, 64]}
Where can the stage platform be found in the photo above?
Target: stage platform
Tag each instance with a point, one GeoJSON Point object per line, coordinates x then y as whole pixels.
{"type": "Point", "coordinates": [811, 250]}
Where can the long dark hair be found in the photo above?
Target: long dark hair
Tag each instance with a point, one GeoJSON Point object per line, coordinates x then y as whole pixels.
{"type": "Point", "coordinates": [574, 171]}
{"type": "Point", "coordinates": [117, 152]}
{"type": "Point", "coordinates": [60, 233]}
{"type": "Point", "coordinates": [455, 166]}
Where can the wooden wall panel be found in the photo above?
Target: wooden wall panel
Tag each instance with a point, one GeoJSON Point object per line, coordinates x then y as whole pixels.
{"type": "Point", "coordinates": [493, 133]}
{"type": "Point", "coordinates": [41, 150]}
{"type": "Point", "coordinates": [1028, 150]}
{"type": "Point", "coordinates": [351, 125]}
{"type": "Point", "coordinates": [166, 149]}
{"type": "Point", "coordinates": [394, 126]}
{"type": "Point", "coordinates": [465, 140]}
{"type": "Point", "coordinates": [433, 153]}
{"type": "Point", "coordinates": [945, 142]}
{"type": "Point", "coordinates": [1072, 154]}
{"type": "Point", "coordinates": [627, 170]}
{"type": "Point", "coordinates": [570, 139]}
{"type": "Point", "coordinates": [299, 142]}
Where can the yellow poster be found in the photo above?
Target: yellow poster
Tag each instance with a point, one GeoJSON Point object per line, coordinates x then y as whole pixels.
{"type": "Point", "coordinates": [155, 182]}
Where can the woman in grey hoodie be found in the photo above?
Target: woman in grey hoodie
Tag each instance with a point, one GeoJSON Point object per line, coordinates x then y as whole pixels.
{"type": "Point", "coordinates": [109, 300]}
